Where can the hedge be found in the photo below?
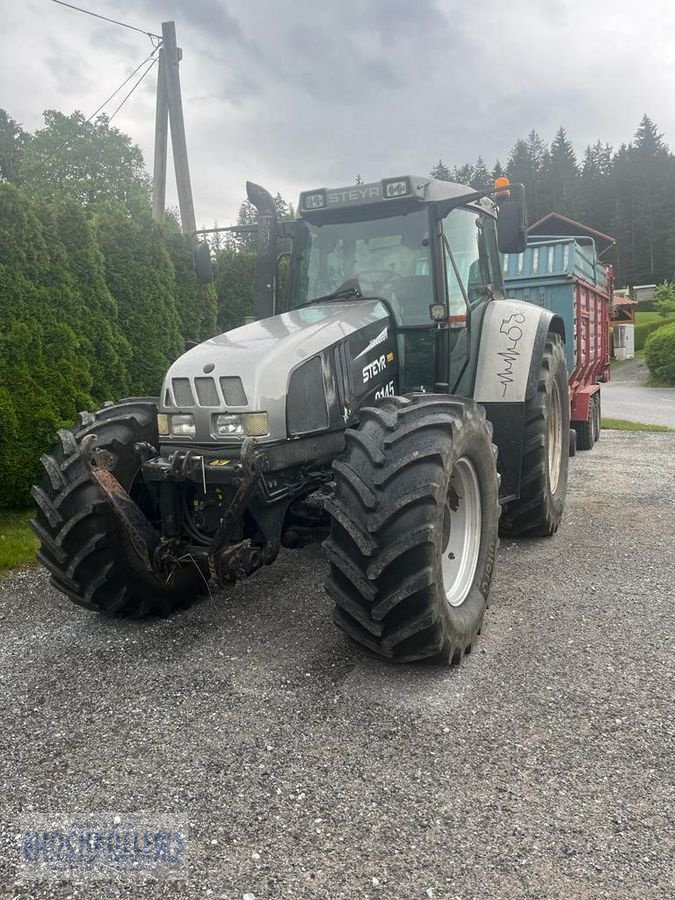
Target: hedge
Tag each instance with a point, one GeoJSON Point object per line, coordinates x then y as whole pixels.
{"type": "Point", "coordinates": [643, 330]}
{"type": "Point", "coordinates": [660, 354]}
{"type": "Point", "coordinates": [94, 305]}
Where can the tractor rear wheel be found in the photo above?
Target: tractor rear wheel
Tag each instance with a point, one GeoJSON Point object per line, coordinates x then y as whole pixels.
{"type": "Point", "coordinates": [545, 461]}
{"type": "Point", "coordinates": [83, 544]}
{"type": "Point", "coordinates": [414, 525]}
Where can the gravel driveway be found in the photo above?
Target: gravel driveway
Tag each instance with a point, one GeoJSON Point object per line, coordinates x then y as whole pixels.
{"type": "Point", "coordinates": [543, 767]}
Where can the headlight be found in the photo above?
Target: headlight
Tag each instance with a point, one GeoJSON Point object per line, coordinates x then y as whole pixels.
{"type": "Point", "coordinates": [162, 423]}
{"type": "Point", "coordinates": [240, 424]}
{"type": "Point", "coordinates": [182, 425]}
{"type": "Point", "coordinates": [226, 425]}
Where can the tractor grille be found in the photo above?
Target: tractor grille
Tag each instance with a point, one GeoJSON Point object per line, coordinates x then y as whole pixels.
{"type": "Point", "coordinates": [207, 392]}
{"type": "Point", "coordinates": [233, 391]}
{"type": "Point", "coordinates": [182, 392]}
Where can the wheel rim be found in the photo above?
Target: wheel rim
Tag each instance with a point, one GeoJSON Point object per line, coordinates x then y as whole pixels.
{"type": "Point", "coordinates": [554, 438]}
{"type": "Point", "coordinates": [461, 532]}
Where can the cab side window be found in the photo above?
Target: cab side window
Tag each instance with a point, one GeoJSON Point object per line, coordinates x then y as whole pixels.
{"type": "Point", "coordinates": [463, 231]}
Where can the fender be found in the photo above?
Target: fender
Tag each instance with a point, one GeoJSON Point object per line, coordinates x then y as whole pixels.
{"type": "Point", "coordinates": [509, 362]}
{"type": "Point", "coordinates": [512, 342]}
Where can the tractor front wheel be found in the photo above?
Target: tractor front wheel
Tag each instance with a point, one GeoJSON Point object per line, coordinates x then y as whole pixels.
{"type": "Point", "coordinates": [83, 545]}
{"type": "Point", "coordinates": [414, 525]}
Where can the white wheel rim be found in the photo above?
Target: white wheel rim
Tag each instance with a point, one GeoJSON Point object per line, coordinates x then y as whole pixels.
{"type": "Point", "coordinates": [555, 437]}
{"type": "Point", "coordinates": [461, 532]}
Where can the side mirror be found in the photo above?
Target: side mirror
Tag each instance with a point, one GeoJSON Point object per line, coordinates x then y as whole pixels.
{"type": "Point", "coordinates": [512, 227]}
{"type": "Point", "coordinates": [201, 263]}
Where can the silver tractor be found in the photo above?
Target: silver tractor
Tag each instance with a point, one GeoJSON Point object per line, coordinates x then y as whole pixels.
{"type": "Point", "coordinates": [392, 404]}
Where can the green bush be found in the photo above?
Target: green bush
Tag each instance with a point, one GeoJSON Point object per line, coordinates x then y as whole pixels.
{"type": "Point", "coordinates": [196, 302]}
{"type": "Point", "coordinates": [96, 300]}
{"type": "Point", "coordinates": [94, 315]}
{"type": "Point", "coordinates": [45, 375]}
{"type": "Point", "coordinates": [660, 354]}
{"type": "Point", "coordinates": [234, 287]}
{"type": "Point", "coordinates": [140, 276]}
{"type": "Point", "coordinates": [645, 329]}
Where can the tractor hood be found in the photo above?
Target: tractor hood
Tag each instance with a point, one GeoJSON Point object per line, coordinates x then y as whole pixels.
{"type": "Point", "coordinates": [248, 369]}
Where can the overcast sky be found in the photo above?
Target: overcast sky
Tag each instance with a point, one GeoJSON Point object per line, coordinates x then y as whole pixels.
{"type": "Point", "coordinates": [297, 94]}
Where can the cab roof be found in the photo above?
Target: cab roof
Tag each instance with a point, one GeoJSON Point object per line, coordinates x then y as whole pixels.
{"type": "Point", "coordinates": [403, 188]}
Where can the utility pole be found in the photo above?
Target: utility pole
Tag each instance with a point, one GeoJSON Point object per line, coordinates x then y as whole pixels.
{"type": "Point", "coordinates": [170, 106]}
{"type": "Point", "coordinates": [161, 144]}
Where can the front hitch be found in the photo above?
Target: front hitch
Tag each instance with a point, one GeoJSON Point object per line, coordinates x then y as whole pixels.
{"type": "Point", "coordinates": [227, 562]}
{"type": "Point", "coordinates": [144, 537]}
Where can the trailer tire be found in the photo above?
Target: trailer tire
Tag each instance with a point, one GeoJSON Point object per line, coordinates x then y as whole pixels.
{"type": "Point", "coordinates": [414, 469]}
{"type": "Point", "coordinates": [597, 417]}
{"type": "Point", "coordinates": [573, 442]}
{"type": "Point", "coordinates": [83, 545]}
{"type": "Point", "coordinates": [585, 431]}
{"type": "Point", "coordinates": [545, 461]}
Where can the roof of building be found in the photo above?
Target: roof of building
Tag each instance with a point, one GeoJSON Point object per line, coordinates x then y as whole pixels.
{"type": "Point", "coordinates": [620, 300]}
{"type": "Point", "coordinates": [554, 223]}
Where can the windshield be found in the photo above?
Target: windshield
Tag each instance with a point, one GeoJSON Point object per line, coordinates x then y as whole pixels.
{"type": "Point", "coordinates": [388, 257]}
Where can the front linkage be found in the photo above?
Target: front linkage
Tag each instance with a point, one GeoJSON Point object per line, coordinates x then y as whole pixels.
{"type": "Point", "coordinates": [227, 561]}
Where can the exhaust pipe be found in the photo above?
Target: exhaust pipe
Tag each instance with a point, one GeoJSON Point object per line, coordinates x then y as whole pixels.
{"type": "Point", "coordinates": [264, 297]}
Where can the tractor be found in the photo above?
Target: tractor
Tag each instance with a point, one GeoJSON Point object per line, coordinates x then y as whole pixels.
{"type": "Point", "coordinates": [391, 402]}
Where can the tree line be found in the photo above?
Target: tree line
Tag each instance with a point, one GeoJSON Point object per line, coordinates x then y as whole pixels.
{"type": "Point", "coordinates": [628, 193]}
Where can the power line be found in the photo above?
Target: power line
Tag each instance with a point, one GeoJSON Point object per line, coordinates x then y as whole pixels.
{"type": "Point", "coordinates": [106, 19]}
{"type": "Point", "coordinates": [153, 61]}
{"type": "Point", "coordinates": [126, 81]}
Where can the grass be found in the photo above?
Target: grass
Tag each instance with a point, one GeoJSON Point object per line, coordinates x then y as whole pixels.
{"type": "Point", "coordinates": [624, 425]}
{"type": "Point", "coordinates": [17, 542]}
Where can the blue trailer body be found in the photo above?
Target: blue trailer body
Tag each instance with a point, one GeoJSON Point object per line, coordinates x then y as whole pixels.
{"type": "Point", "coordinates": [547, 274]}
{"type": "Point", "coordinates": [564, 274]}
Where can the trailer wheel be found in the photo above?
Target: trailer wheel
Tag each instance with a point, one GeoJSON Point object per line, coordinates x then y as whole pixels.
{"type": "Point", "coordinates": [545, 462]}
{"type": "Point", "coordinates": [414, 528]}
{"type": "Point", "coordinates": [586, 431]}
{"type": "Point", "coordinates": [573, 442]}
{"type": "Point", "coordinates": [597, 417]}
{"type": "Point", "coordinates": [83, 545]}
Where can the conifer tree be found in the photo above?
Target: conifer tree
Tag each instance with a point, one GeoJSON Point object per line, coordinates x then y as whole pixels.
{"type": "Point", "coordinates": [441, 172]}
{"type": "Point", "coordinates": [141, 278]}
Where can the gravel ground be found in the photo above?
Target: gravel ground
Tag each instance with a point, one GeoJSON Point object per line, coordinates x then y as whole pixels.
{"type": "Point", "coordinates": [630, 370]}
{"type": "Point", "coordinates": [541, 768]}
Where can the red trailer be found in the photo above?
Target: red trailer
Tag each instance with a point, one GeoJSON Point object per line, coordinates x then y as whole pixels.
{"type": "Point", "coordinates": [561, 270]}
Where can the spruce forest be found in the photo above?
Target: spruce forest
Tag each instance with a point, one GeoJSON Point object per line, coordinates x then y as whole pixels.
{"type": "Point", "coordinates": [627, 192]}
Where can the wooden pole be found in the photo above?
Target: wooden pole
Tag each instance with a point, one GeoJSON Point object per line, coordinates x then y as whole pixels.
{"type": "Point", "coordinates": [177, 123]}
{"type": "Point", "coordinates": [161, 142]}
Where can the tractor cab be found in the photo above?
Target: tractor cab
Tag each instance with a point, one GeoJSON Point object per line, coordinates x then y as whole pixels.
{"type": "Point", "coordinates": [428, 249]}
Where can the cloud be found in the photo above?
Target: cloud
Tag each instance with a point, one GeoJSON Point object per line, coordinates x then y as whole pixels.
{"type": "Point", "coordinates": [303, 94]}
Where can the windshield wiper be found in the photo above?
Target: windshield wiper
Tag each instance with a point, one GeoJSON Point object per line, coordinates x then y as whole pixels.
{"type": "Point", "coordinates": [341, 294]}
